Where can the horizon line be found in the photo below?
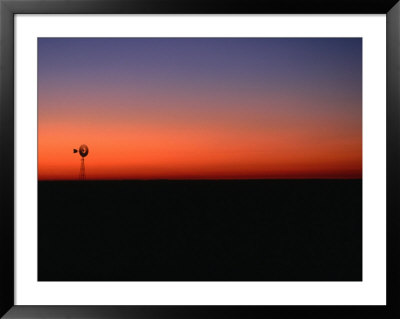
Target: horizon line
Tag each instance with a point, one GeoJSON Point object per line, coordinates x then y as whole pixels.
{"type": "Point", "coordinates": [199, 179]}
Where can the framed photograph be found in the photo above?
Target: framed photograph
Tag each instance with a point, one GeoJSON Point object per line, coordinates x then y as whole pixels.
{"type": "Point", "coordinates": [195, 160]}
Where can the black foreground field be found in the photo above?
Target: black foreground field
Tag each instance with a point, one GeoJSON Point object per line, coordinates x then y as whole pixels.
{"type": "Point", "coordinates": [252, 230]}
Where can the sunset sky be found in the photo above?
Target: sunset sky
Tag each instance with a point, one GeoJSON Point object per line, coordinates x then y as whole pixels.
{"type": "Point", "coordinates": [200, 108]}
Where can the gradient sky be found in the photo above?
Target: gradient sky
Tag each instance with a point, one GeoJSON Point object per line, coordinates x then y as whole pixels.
{"type": "Point", "coordinates": [212, 108]}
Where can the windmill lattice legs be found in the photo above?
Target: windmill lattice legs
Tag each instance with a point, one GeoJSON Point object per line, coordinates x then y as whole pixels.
{"type": "Point", "coordinates": [82, 176]}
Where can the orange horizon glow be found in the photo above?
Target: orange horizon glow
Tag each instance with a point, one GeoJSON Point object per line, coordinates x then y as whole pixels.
{"type": "Point", "coordinates": [233, 148]}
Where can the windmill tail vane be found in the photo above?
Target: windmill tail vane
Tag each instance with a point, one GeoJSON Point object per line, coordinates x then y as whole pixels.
{"type": "Point", "coordinates": [83, 152]}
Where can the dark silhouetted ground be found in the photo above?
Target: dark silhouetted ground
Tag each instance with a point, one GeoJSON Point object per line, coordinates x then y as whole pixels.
{"type": "Point", "coordinates": [260, 230]}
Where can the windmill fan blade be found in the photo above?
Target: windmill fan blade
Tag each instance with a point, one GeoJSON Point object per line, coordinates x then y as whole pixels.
{"type": "Point", "coordinates": [75, 150]}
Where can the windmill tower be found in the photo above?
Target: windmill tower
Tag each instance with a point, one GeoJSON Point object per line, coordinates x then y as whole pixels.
{"type": "Point", "coordinates": [83, 152]}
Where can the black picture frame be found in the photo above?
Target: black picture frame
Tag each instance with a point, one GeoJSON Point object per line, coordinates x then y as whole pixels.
{"type": "Point", "coordinates": [8, 8]}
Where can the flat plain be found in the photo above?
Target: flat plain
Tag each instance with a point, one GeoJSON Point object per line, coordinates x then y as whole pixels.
{"type": "Point", "coordinates": [200, 230]}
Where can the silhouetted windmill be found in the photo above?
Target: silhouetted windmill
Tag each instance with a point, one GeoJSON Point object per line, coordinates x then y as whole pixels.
{"type": "Point", "coordinates": [83, 152]}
